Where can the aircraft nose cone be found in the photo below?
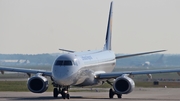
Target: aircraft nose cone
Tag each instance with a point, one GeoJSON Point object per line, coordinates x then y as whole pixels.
{"type": "Point", "coordinates": [63, 76]}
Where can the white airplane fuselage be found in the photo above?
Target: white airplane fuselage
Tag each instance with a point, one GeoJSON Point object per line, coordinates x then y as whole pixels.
{"type": "Point", "coordinates": [80, 68]}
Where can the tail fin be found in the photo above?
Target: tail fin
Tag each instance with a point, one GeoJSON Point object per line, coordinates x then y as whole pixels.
{"type": "Point", "coordinates": [107, 45]}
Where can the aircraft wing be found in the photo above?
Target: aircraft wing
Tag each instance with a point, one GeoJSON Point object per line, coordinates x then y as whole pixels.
{"type": "Point", "coordinates": [22, 70]}
{"type": "Point", "coordinates": [130, 55]}
{"type": "Point", "coordinates": [117, 74]}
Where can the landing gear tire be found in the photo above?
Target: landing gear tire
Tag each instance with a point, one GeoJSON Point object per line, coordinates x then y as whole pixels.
{"type": "Point", "coordinates": [55, 92]}
{"type": "Point", "coordinates": [119, 96]}
{"type": "Point", "coordinates": [65, 94]}
{"type": "Point", "coordinates": [111, 93]}
{"type": "Point", "coordinates": [68, 96]}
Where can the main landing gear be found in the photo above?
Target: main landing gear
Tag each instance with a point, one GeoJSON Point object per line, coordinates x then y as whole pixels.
{"type": "Point", "coordinates": [112, 93]}
{"type": "Point", "coordinates": [63, 91]}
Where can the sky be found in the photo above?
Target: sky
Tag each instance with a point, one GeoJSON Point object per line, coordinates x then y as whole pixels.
{"type": "Point", "coordinates": [44, 26]}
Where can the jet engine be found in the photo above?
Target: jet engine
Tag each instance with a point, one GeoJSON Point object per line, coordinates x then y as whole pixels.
{"type": "Point", "coordinates": [37, 84]}
{"type": "Point", "coordinates": [123, 85]}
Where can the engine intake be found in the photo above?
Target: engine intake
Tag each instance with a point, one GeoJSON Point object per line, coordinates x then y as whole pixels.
{"type": "Point", "coordinates": [123, 85]}
{"type": "Point", "coordinates": [37, 84]}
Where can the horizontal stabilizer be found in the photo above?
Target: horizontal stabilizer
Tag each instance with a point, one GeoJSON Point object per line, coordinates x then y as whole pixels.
{"type": "Point", "coordinates": [67, 50]}
{"type": "Point", "coordinates": [130, 55]}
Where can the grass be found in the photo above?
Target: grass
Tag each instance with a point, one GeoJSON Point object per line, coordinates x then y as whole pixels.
{"type": "Point", "coordinates": [17, 86]}
{"type": "Point", "coordinates": [21, 86]}
{"type": "Point", "coordinates": [161, 84]}
{"type": "Point", "coordinates": [13, 86]}
{"type": "Point", "coordinates": [139, 81]}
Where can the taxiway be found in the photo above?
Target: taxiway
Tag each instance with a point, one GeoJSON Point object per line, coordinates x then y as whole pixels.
{"type": "Point", "coordinates": [139, 94]}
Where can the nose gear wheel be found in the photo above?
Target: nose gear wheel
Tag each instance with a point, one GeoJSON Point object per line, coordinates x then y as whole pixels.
{"type": "Point", "coordinates": [63, 91]}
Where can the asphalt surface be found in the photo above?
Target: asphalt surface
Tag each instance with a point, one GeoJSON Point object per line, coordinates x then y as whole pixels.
{"type": "Point", "coordinates": [139, 94]}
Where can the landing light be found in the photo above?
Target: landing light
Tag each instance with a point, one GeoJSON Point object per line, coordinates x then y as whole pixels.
{"type": "Point", "coordinates": [95, 76]}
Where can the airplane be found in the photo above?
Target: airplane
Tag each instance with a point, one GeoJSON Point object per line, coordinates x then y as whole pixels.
{"type": "Point", "coordinates": [88, 68]}
{"type": "Point", "coordinates": [158, 62]}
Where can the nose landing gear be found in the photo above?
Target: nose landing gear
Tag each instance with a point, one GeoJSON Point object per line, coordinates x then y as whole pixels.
{"type": "Point", "coordinates": [63, 91]}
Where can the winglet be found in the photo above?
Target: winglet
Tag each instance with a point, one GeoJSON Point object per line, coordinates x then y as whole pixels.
{"type": "Point", "coordinates": [107, 45]}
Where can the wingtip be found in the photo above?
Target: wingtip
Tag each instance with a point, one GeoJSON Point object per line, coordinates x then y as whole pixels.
{"type": "Point", "coordinates": [162, 50]}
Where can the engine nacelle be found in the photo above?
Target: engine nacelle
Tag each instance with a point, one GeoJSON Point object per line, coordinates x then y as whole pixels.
{"type": "Point", "coordinates": [37, 84]}
{"type": "Point", "coordinates": [123, 85]}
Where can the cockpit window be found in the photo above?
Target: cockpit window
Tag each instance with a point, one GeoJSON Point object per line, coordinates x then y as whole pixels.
{"type": "Point", "coordinates": [63, 63]}
{"type": "Point", "coordinates": [59, 63]}
{"type": "Point", "coordinates": [67, 63]}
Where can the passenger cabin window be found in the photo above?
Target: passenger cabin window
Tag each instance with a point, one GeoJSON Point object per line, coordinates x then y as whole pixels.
{"type": "Point", "coordinates": [63, 63]}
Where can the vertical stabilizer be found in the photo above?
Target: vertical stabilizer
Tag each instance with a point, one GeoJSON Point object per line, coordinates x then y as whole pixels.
{"type": "Point", "coordinates": [107, 45]}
